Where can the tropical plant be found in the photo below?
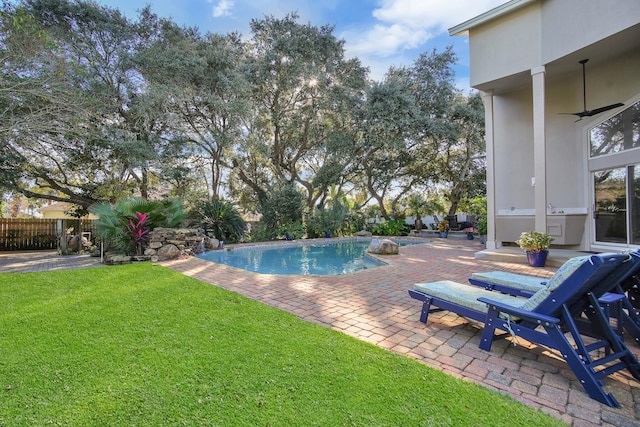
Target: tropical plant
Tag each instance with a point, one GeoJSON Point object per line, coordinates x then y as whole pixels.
{"type": "Point", "coordinates": [294, 230]}
{"type": "Point", "coordinates": [137, 228]}
{"type": "Point", "coordinates": [393, 227]}
{"type": "Point", "coordinates": [534, 241]}
{"type": "Point", "coordinates": [219, 218]}
{"type": "Point", "coordinates": [327, 220]}
{"type": "Point", "coordinates": [443, 226]}
{"type": "Point", "coordinates": [122, 227]}
{"type": "Point", "coordinates": [481, 225]}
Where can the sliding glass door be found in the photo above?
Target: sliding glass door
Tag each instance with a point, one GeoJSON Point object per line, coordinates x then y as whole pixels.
{"type": "Point", "coordinates": [616, 189]}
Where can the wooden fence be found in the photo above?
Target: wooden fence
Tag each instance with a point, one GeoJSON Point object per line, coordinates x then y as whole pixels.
{"type": "Point", "coordinates": [20, 234]}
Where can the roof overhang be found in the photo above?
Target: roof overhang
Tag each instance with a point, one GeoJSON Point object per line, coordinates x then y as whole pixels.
{"type": "Point", "coordinates": [503, 9]}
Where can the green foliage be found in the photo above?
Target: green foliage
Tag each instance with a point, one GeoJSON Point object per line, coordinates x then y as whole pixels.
{"type": "Point", "coordinates": [443, 226]}
{"type": "Point", "coordinates": [419, 205]}
{"type": "Point", "coordinates": [328, 220]}
{"type": "Point", "coordinates": [354, 221]}
{"type": "Point", "coordinates": [295, 230]}
{"type": "Point", "coordinates": [393, 227]}
{"type": "Point", "coordinates": [481, 225]}
{"type": "Point", "coordinates": [474, 206]}
{"type": "Point", "coordinates": [535, 241]}
{"type": "Point", "coordinates": [122, 106]}
{"type": "Point", "coordinates": [219, 218]}
{"type": "Point", "coordinates": [284, 205]}
{"type": "Point", "coordinates": [118, 225]}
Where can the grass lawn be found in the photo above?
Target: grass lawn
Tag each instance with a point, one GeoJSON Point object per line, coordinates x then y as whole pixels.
{"type": "Point", "coordinates": [141, 345]}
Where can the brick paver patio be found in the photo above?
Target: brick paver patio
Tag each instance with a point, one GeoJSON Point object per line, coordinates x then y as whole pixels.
{"type": "Point", "coordinates": [373, 305]}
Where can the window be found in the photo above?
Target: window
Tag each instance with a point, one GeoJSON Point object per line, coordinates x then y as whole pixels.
{"type": "Point", "coordinates": [620, 132]}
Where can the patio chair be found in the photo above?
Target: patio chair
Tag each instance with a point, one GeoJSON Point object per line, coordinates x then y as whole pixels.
{"type": "Point", "coordinates": [615, 302]}
{"type": "Point", "coordinates": [547, 317]}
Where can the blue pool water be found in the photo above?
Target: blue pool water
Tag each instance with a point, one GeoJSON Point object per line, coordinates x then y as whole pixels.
{"type": "Point", "coordinates": [340, 257]}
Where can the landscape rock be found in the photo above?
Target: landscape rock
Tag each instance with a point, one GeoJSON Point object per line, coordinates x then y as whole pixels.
{"type": "Point", "coordinates": [168, 252]}
{"type": "Point", "coordinates": [383, 247]}
{"type": "Point", "coordinates": [362, 233]}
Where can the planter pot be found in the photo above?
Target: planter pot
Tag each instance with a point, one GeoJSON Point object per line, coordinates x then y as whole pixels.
{"type": "Point", "coordinates": [537, 259]}
{"type": "Point", "coordinates": [469, 236]}
{"type": "Point", "coordinates": [483, 238]}
{"type": "Point", "coordinates": [327, 234]}
{"type": "Point", "coordinates": [288, 236]}
{"type": "Point", "coordinates": [443, 234]}
{"type": "Point", "coordinates": [418, 224]}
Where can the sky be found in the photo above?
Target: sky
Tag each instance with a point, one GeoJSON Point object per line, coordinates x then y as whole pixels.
{"type": "Point", "coordinates": [381, 33]}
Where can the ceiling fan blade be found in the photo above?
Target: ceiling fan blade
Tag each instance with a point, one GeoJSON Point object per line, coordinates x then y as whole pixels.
{"type": "Point", "coordinates": [603, 109]}
{"type": "Point", "coordinates": [585, 112]}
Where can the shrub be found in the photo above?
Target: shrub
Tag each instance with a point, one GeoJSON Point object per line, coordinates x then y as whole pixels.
{"type": "Point", "coordinates": [481, 225]}
{"type": "Point", "coordinates": [327, 220]}
{"type": "Point", "coordinates": [125, 226]}
{"type": "Point", "coordinates": [219, 218]}
{"type": "Point", "coordinates": [285, 205]}
{"type": "Point", "coordinates": [394, 227]}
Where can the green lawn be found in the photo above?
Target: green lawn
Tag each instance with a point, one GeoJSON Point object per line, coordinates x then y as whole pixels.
{"type": "Point", "coordinates": [141, 345]}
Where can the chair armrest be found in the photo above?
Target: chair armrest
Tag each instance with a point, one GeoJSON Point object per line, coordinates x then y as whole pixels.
{"type": "Point", "coordinates": [520, 313]}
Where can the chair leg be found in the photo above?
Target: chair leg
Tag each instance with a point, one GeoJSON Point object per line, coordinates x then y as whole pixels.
{"type": "Point", "coordinates": [592, 385]}
{"type": "Point", "coordinates": [425, 310]}
{"type": "Point", "coordinates": [489, 330]}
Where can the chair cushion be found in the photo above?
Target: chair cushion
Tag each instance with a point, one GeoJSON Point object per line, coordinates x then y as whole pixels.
{"type": "Point", "coordinates": [563, 273]}
{"type": "Point", "coordinates": [465, 295]}
{"type": "Point", "coordinates": [511, 280]}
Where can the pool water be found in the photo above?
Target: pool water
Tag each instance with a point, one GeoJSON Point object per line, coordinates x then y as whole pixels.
{"type": "Point", "coordinates": [333, 258]}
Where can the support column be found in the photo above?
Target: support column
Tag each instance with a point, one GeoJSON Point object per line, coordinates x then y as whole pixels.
{"type": "Point", "coordinates": [539, 148]}
{"type": "Point", "coordinates": [487, 99]}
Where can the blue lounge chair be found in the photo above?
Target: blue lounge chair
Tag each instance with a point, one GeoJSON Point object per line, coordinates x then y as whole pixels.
{"type": "Point", "coordinates": [616, 303]}
{"type": "Point", "coordinates": [546, 316]}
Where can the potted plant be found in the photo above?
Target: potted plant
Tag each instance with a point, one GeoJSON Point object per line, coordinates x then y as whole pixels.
{"type": "Point", "coordinates": [536, 245]}
{"type": "Point", "coordinates": [481, 226]}
{"type": "Point", "coordinates": [470, 232]}
{"type": "Point", "coordinates": [443, 228]}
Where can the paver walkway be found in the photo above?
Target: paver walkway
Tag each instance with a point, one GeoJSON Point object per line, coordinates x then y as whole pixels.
{"type": "Point", "coordinates": [22, 262]}
{"type": "Point", "coordinates": [373, 305]}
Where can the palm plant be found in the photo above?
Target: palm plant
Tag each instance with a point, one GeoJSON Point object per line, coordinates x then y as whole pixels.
{"type": "Point", "coordinates": [125, 227]}
{"type": "Point", "coordinates": [219, 218]}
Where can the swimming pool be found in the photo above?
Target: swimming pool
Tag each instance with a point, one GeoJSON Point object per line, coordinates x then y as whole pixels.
{"type": "Point", "coordinates": [330, 258]}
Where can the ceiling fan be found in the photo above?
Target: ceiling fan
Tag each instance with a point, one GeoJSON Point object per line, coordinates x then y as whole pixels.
{"type": "Point", "coordinates": [589, 113]}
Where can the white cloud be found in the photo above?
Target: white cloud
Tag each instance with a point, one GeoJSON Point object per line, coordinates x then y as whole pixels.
{"type": "Point", "coordinates": [223, 8]}
{"type": "Point", "coordinates": [408, 24]}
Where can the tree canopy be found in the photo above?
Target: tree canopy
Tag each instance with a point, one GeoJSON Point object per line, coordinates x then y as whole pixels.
{"type": "Point", "coordinates": [97, 108]}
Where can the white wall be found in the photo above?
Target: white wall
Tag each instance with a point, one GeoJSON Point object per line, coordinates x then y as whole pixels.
{"type": "Point", "coordinates": [505, 46]}
{"type": "Point", "coordinates": [514, 150]}
{"type": "Point", "coordinates": [570, 25]}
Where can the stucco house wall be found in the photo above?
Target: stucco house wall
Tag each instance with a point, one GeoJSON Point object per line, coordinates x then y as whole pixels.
{"type": "Point", "coordinates": [524, 58]}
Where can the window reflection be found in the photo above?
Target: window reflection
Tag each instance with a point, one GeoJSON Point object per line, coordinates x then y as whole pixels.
{"type": "Point", "coordinates": [620, 132]}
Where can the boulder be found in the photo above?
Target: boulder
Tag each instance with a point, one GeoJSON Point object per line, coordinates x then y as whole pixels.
{"type": "Point", "coordinates": [383, 247]}
{"type": "Point", "coordinates": [113, 259]}
{"type": "Point", "coordinates": [168, 252]}
{"type": "Point", "coordinates": [211, 243]}
{"type": "Point", "coordinates": [362, 233]}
